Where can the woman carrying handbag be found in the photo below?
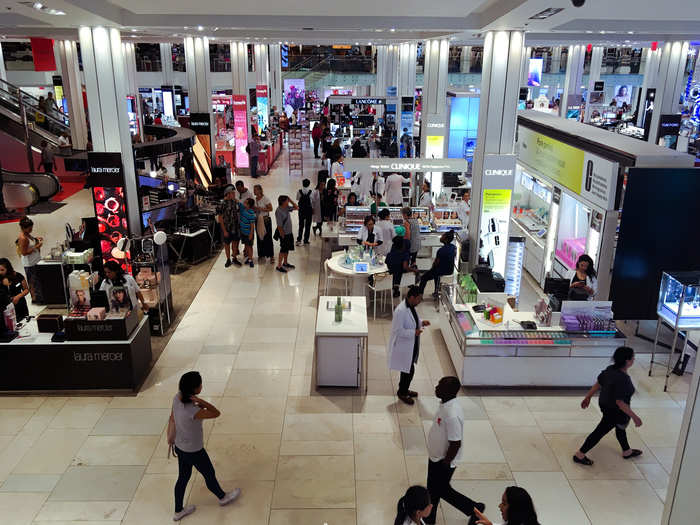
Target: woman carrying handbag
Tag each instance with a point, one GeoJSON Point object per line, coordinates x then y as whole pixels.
{"type": "Point", "coordinates": [186, 440]}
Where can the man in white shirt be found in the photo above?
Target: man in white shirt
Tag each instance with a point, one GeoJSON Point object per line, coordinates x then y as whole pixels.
{"type": "Point", "coordinates": [394, 195]}
{"type": "Point", "coordinates": [386, 226]}
{"type": "Point", "coordinates": [445, 449]}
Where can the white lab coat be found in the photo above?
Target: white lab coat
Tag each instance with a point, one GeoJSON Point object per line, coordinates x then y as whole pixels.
{"type": "Point", "coordinates": [386, 229]}
{"type": "Point", "coordinates": [403, 335]}
{"type": "Point", "coordinates": [364, 185]}
{"type": "Point", "coordinates": [394, 195]}
{"type": "Point", "coordinates": [590, 281]}
{"type": "Point", "coordinates": [379, 186]}
{"type": "Point", "coordinates": [425, 200]}
{"type": "Point", "coordinates": [364, 232]}
{"type": "Point", "coordinates": [316, 206]}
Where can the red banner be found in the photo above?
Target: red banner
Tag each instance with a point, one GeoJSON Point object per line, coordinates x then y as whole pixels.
{"type": "Point", "coordinates": [261, 91]}
{"type": "Point", "coordinates": [240, 128]}
{"type": "Point", "coordinates": [42, 51]}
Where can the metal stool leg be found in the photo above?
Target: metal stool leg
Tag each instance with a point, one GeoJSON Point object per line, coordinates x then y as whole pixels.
{"type": "Point", "coordinates": [656, 341]}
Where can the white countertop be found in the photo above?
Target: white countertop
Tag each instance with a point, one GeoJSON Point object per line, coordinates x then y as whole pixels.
{"type": "Point", "coordinates": [37, 338]}
{"type": "Point", "coordinates": [354, 322]}
{"type": "Point", "coordinates": [334, 264]}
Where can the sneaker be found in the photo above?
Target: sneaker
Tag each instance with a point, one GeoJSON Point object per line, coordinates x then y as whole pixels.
{"type": "Point", "coordinates": [298, 243]}
{"type": "Point", "coordinates": [473, 519]}
{"type": "Point", "coordinates": [306, 243]}
{"type": "Point", "coordinates": [290, 266]}
{"type": "Point", "coordinates": [280, 269]}
{"type": "Point", "coordinates": [252, 264]}
{"type": "Point", "coordinates": [229, 497]}
{"type": "Point", "coordinates": [236, 261]}
{"type": "Point", "coordinates": [228, 263]}
{"type": "Point", "coordinates": [272, 260]}
{"type": "Point", "coordinates": [184, 512]}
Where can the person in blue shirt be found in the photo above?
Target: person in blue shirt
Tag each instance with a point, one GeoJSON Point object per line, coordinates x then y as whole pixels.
{"type": "Point", "coordinates": [397, 260]}
{"type": "Point", "coordinates": [444, 263]}
{"type": "Point", "coordinates": [247, 224]}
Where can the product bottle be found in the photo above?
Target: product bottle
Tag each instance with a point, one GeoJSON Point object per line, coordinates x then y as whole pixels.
{"type": "Point", "coordinates": [338, 311]}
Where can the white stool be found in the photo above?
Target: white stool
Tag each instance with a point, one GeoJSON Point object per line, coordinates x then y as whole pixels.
{"type": "Point", "coordinates": [330, 276]}
{"type": "Point", "coordinates": [382, 284]}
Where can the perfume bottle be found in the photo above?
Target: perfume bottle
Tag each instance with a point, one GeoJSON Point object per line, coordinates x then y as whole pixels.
{"type": "Point", "coordinates": [338, 311]}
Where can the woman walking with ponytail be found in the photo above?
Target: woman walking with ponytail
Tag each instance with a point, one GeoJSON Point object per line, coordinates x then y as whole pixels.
{"type": "Point", "coordinates": [413, 506]}
{"type": "Point", "coordinates": [616, 390]}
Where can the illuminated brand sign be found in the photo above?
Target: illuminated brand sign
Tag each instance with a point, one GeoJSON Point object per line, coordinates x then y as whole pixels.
{"type": "Point", "coordinates": [200, 124]}
{"type": "Point", "coordinates": [105, 169]}
{"type": "Point", "coordinates": [374, 101]}
{"type": "Point", "coordinates": [436, 124]}
{"type": "Point", "coordinates": [452, 165]}
{"type": "Point", "coordinates": [86, 357]}
{"type": "Point", "coordinates": [500, 173]}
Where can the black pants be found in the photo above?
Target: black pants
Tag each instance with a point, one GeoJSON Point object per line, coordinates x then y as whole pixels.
{"type": "Point", "coordinates": [319, 227]}
{"type": "Point", "coordinates": [430, 274]}
{"type": "Point", "coordinates": [254, 167]}
{"type": "Point", "coordinates": [304, 226]}
{"type": "Point", "coordinates": [396, 276]}
{"type": "Point", "coordinates": [611, 419]}
{"type": "Point", "coordinates": [406, 378]}
{"type": "Point", "coordinates": [439, 476]}
{"type": "Point", "coordinates": [316, 143]}
{"type": "Point", "coordinates": [199, 460]}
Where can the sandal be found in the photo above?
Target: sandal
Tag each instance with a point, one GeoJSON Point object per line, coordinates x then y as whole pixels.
{"type": "Point", "coordinates": [635, 452]}
{"type": "Point", "coordinates": [585, 461]}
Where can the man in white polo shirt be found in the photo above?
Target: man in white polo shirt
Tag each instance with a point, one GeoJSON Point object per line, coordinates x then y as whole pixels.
{"type": "Point", "coordinates": [445, 449]}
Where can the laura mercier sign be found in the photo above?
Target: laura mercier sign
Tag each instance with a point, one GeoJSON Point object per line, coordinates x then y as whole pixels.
{"type": "Point", "coordinates": [105, 169]}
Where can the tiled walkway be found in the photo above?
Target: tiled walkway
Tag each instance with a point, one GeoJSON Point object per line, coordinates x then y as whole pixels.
{"type": "Point", "coordinates": [307, 457]}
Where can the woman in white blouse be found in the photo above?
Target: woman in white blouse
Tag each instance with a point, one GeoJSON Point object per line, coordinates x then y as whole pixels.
{"type": "Point", "coordinates": [413, 506]}
{"type": "Point", "coordinates": [369, 236]}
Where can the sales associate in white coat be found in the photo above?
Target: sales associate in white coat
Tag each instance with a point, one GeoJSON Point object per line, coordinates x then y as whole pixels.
{"type": "Point", "coordinates": [369, 236]}
{"type": "Point", "coordinates": [404, 342]}
{"type": "Point", "coordinates": [394, 194]}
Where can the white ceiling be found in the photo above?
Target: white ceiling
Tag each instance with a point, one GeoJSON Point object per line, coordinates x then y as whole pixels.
{"type": "Point", "coordinates": [347, 21]}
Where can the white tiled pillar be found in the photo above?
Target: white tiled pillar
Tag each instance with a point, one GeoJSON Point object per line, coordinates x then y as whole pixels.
{"type": "Point", "coordinates": [407, 69]}
{"type": "Point", "coordinates": [556, 60]}
{"type": "Point", "coordinates": [106, 89]}
{"type": "Point", "coordinates": [437, 54]}
{"type": "Point", "coordinates": [500, 85]}
{"type": "Point", "coordinates": [262, 66]}
{"type": "Point", "coordinates": [596, 66]}
{"type": "Point", "coordinates": [129, 49]}
{"type": "Point", "coordinates": [574, 75]}
{"type": "Point", "coordinates": [669, 83]}
{"type": "Point", "coordinates": [275, 59]}
{"type": "Point", "coordinates": [73, 91]}
{"type": "Point", "coordinates": [166, 60]}
{"type": "Point", "coordinates": [198, 74]}
{"type": "Point", "coordinates": [465, 61]}
{"type": "Point", "coordinates": [650, 65]}
{"type": "Point", "coordinates": [3, 72]}
{"type": "Point", "coordinates": [239, 68]}
{"type": "Point", "coordinates": [380, 82]}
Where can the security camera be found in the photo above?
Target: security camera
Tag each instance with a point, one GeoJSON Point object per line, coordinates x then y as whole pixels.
{"type": "Point", "coordinates": [578, 3]}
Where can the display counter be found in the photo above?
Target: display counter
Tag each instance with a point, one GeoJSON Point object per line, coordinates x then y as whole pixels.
{"type": "Point", "coordinates": [33, 363]}
{"type": "Point", "coordinates": [269, 153]}
{"type": "Point", "coordinates": [485, 354]}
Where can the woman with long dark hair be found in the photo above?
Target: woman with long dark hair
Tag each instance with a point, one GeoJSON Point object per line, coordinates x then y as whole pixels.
{"type": "Point", "coordinates": [116, 280]}
{"type": "Point", "coordinates": [29, 249]}
{"type": "Point", "coordinates": [329, 202]}
{"type": "Point", "coordinates": [16, 287]}
{"type": "Point", "coordinates": [413, 506]}
{"type": "Point", "coordinates": [187, 415]}
{"type": "Point", "coordinates": [616, 391]}
{"type": "Point", "coordinates": [583, 282]}
{"type": "Point", "coordinates": [516, 509]}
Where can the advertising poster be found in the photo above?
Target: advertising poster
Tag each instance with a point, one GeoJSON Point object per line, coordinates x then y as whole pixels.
{"type": "Point", "coordinates": [240, 129]}
{"type": "Point", "coordinates": [498, 180]}
{"type": "Point", "coordinates": [391, 92]}
{"type": "Point", "coordinates": [669, 127]}
{"type": "Point", "coordinates": [294, 95]}
{"type": "Point", "coordinates": [406, 143]}
{"type": "Point", "coordinates": [263, 103]}
{"type": "Point", "coordinates": [623, 95]}
{"type": "Point", "coordinates": [534, 72]}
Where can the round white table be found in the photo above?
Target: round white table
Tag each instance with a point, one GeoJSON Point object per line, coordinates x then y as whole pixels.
{"type": "Point", "coordinates": [359, 280]}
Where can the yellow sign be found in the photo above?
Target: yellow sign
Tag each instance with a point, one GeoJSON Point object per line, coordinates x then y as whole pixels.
{"type": "Point", "coordinates": [495, 202]}
{"type": "Point", "coordinates": [560, 162]}
{"type": "Point", "coordinates": [434, 147]}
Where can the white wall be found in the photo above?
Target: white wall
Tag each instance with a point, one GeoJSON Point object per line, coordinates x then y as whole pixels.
{"type": "Point", "coordinates": [31, 78]}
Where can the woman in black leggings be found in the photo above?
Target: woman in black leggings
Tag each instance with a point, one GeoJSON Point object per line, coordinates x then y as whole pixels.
{"type": "Point", "coordinates": [187, 415]}
{"type": "Point", "coordinates": [616, 392]}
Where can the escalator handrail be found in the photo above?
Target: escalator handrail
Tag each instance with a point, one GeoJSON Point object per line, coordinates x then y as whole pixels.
{"type": "Point", "coordinates": [34, 108]}
{"type": "Point", "coordinates": [30, 174]}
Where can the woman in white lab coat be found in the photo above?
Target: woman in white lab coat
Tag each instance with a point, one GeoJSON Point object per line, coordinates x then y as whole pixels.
{"type": "Point", "coordinates": [368, 235]}
{"type": "Point", "coordinates": [404, 342]}
{"type": "Point", "coordinates": [364, 185]}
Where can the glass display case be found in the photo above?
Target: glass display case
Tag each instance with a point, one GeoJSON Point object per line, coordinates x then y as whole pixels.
{"type": "Point", "coordinates": [574, 222]}
{"type": "Point", "coordinates": [445, 218]}
{"type": "Point", "coordinates": [679, 299]}
{"type": "Point", "coordinates": [354, 217]}
{"type": "Point", "coordinates": [422, 215]}
{"type": "Point", "coordinates": [532, 200]}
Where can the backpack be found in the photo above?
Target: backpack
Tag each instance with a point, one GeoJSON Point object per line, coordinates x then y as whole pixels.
{"type": "Point", "coordinates": [247, 148]}
{"type": "Point", "coordinates": [305, 200]}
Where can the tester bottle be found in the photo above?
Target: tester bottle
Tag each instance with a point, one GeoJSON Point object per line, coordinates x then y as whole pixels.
{"type": "Point", "coordinates": [338, 311]}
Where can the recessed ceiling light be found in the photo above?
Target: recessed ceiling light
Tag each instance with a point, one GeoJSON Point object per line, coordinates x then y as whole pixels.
{"type": "Point", "coordinates": [630, 32]}
{"type": "Point", "coordinates": [286, 43]}
{"type": "Point", "coordinates": [44, 9]}
{"type": "Point", "coordinates": [589, 31]}
{"type": "Point", "coordinates": [627, 41]}
{"type": "Point", "coordinates": [357, 43]}
{"type": "Point", "coordinates": [369, 43]}
{"type": "Point", "coordinates": [393, 29]}
{"type": "Point", "coordinates": [186, 27]}
{"type": "Point", "coordinates": [133, 30]}
{"type": "Point", "coordinates": [602, 32]}
{"type": "Point", "coordinates": [200, 28]}
{"type": "Point", "coordinates": [280, 43]}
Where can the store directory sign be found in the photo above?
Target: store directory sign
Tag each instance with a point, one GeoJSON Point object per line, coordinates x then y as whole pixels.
{"type": "Point", "coordinates": [240, 129]}
{"type": "Point", "coordinates": [581, 172]}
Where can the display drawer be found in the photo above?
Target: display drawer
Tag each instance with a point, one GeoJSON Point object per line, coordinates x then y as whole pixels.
{"type": "Point", "coordinates": [544, 351]}
{"type": "Point", "coordinates": [490, 351]}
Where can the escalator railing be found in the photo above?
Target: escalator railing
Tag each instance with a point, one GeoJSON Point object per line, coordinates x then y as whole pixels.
{"type": "Point", "coordinates": [46, 184]}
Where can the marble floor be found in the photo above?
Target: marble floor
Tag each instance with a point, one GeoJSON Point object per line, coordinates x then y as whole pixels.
{"type": "Point", "coordinates": [303, 456]}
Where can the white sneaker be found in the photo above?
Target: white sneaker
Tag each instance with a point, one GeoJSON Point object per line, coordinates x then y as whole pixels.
{"type": "Point", "coordinates": [229, 497]}
{"type": "Point", "coordinates": [189, 509]}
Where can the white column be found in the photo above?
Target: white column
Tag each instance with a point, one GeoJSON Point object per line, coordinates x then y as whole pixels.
{"type": "Point", "coordinates": [574, 75]}
{"type": "Point", "coordinates": [524, 66]}
{"type": "Point", "coordinates": [669, 84]}
{"type": "Point", "coordinates": [650, 63]}
{"type": "Point", "coordinates": [556, 59]}
{"type": "Point", "coordinates": [73, 91]}
{"type": "Point", "coordinates": [465, 61]}
{"type": "Point", "coordinates": [437, 53]}
{"type": "Point", "coordinates": [3, 72]}
{"type": "Point", "coordinates": [275, 59]}
{"type": "Point", "coordinates": [198, 74]}
{"type": "Point", "coordinates": [682, 493]}
{"type": "Point", "coordinates": [500, 84]}
{"type": "Point", "coordinates": [262, 67]}
{"type": "Point", "coordinates": [105, 84]}
{"type": "Point", "coordinates": [166, 60]}
{"type": "Point", "coordinates": [596, 66]}
{"type": "Point", "coordinates": [380, 82]}
{"type": "Point", "coordinates": [407, 70]}
{"type": "Point", "coordinates": [239, 68]}
{"type": "Point", "coordinates": [392, 66]}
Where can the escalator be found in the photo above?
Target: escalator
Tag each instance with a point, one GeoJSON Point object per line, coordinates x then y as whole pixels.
{"type": "Point", "coordinates": [45, 184]}
{"type": "Point", "coordinates": [19, 195]}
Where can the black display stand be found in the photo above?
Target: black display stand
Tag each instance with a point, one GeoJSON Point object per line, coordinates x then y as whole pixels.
{"type": "Point", "coordinates": [35, 364]}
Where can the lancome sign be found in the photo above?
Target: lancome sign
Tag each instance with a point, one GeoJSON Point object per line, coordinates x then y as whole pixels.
{"type": "Point", "coordinates": [423, 165]}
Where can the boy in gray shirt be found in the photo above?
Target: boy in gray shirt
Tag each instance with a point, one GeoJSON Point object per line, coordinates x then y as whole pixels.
{"type": "Point", "coordinates": [284, 231]}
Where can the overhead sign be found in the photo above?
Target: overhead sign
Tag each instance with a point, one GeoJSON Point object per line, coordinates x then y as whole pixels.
{"type": "Point", "coordinates": [384, 164]}
{"type": "Point", "coordinates": [599, 85]}
{"type": "Point", "coordinates": [200, 123]}
{"type": "Point", "coordinates": [368, 100]}
{"type": "Point", "coordinates": [581, 172]}
{"type": "Point", "coordinates": [105, 169]}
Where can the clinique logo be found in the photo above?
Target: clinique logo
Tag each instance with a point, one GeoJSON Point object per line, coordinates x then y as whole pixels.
{"type": "Point", "coordinates": [436, 125]}
{"type": "Point", "coordinates": [87, 357]}
{"type": "Point", "coordinates": [500, 173]}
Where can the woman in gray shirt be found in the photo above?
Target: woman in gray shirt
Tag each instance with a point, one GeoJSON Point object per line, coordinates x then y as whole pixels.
{"type": "Point", "coordinates": [187, 414]}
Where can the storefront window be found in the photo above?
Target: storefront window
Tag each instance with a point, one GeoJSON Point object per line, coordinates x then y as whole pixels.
{"type": "Point", "coordinates": [219, 58]}
{"type": "Point", "coordinates": [178, 55]}
{"type": "Point", "coordinates": [148, 58]}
